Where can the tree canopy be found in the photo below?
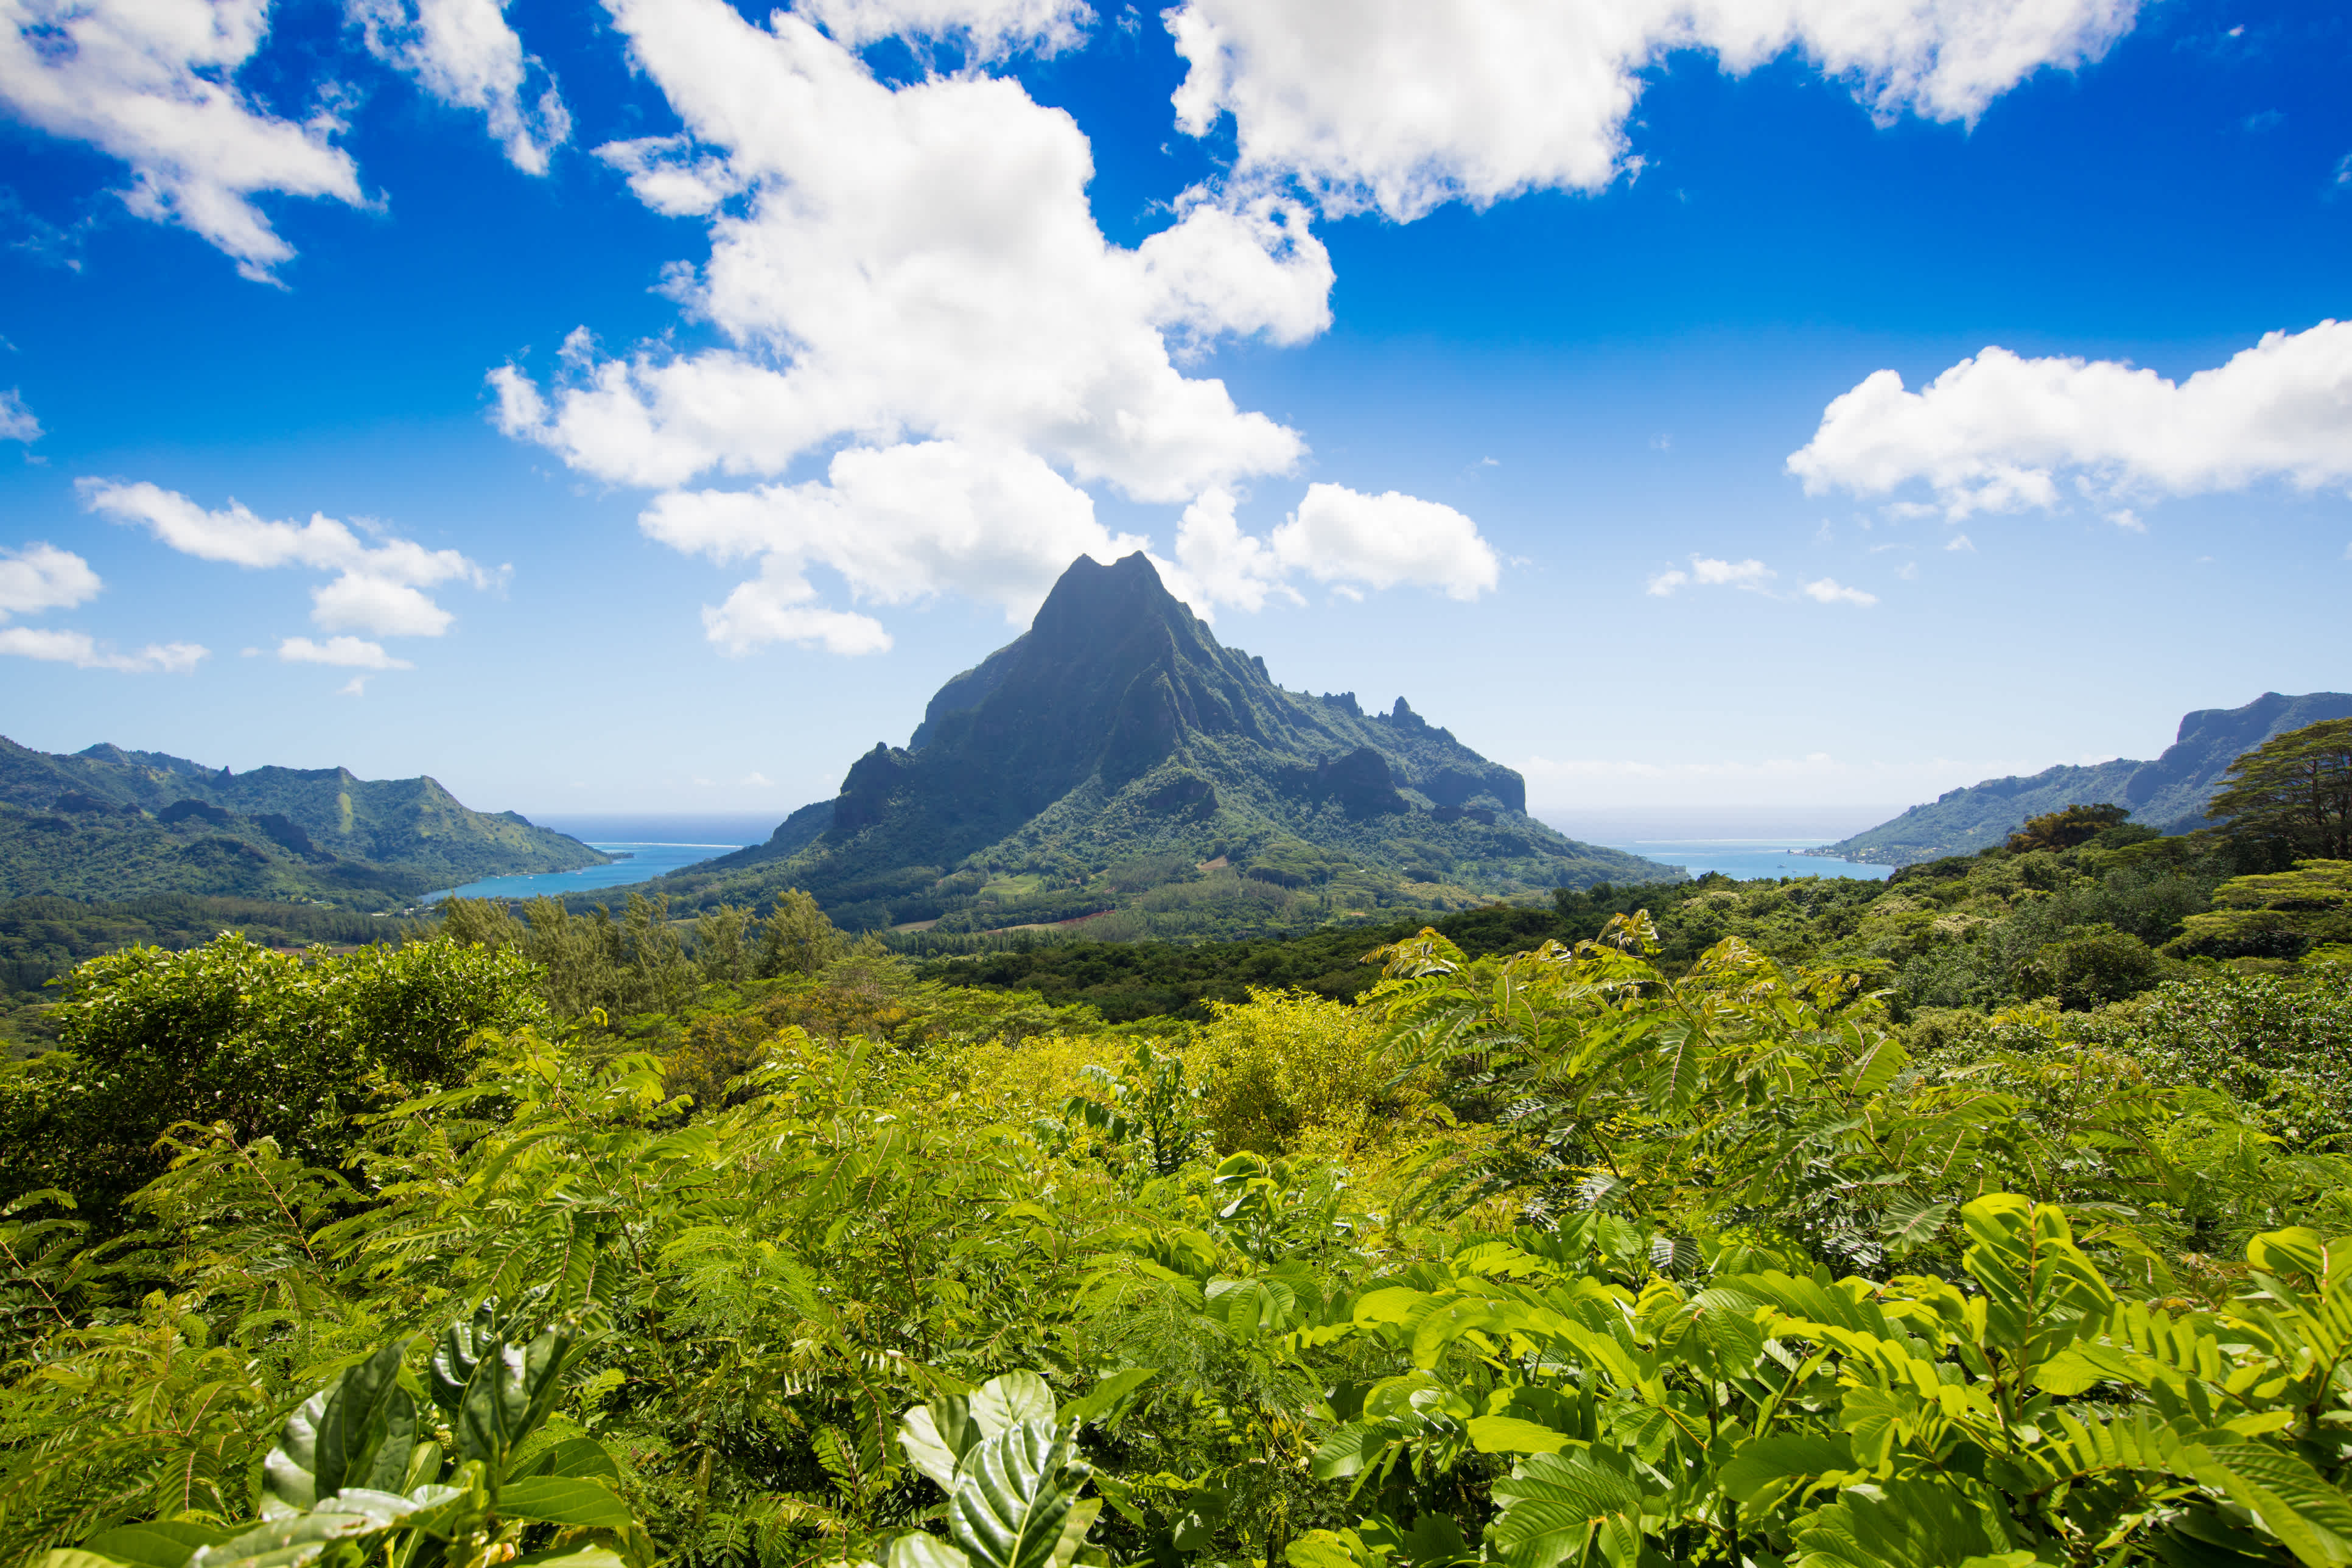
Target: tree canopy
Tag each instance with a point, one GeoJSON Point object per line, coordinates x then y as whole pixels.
{"type": "Point", "coordinates": [2294, 792]}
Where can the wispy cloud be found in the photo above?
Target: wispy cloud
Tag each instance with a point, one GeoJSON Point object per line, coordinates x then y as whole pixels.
{"type": "Point", "coordinates": [16, 421]}
{"type": "Point", "coordinates": [85, 652]}
{"type": "Point", "coordinates": [377, 588]}
{"type": "Point", "coordinates": [1705, 571]}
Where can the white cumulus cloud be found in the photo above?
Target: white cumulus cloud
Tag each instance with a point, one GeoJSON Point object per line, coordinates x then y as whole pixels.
{"type": "Point", "coordinates": [912, 262]}
{"type": "Point", "coordinates": [2000, 432]}
{"type": "Point", "coordinates": [1403, 105]}
{"type": "Point", "coordinates": [464, 53]}
{"type": "Point", "coordinates": [16, 421]}
{"type": "Point", "coordinates": [378, 588]}
{"type": "Point", "coordinates": [900, 269]}
{"type": "Point", "coordinates": [43, 578]}
{"type": "Point", "coordinates": [898, 524]}
{"type": "Point", "coordinates": [83, 651]}
{"type": "Point", "coordinates": [152, 83]}
{"type": "Point", "coordinates": [1830, 591]}
{"type": "Point", "coordinates": [350, 653]}
{"type": "Point", "coordinates": [1348, 538]}
{"type": "Point", "coordinates": [1217, 563]}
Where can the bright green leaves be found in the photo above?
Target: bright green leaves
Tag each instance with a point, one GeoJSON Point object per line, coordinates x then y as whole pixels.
{"type": "Point", "coordinates": [2040, 1291]}
{"type": "Point", "coordinates": [564, 1500]}
{"type": "Point", "coordinates": [354, 1471]}
{"type": "Point", "coordinates": [1554, 1504]}
{"type": "Point", "coordinates": [1004, 1458]}
{"type": "Point", "coordinates": [1017, 1500]}
{"type": "Point", "coordinates": [158, 1544]}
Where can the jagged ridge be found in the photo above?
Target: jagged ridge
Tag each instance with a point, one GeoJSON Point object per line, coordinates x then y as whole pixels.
{"type": "Point", "coordinates": [1118, 727]}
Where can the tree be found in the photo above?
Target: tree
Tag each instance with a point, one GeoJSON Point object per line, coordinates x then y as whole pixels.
{"type": "Point", "coordinates": [2281, 915]}
{"type": "Point", "coordinates": [2292, 795]}
{"type": "Point", "coordinates": [2078, 823]}
{"type": "Point", "coordinates": [267, 1044]}
{"type": "Point", "coordinates": [798, 939]}
{"type": "Point", "coordinates": [720, 946]}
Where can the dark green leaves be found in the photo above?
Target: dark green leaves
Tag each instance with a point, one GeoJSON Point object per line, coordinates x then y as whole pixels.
{"type": "Point", "coordinates": [358, 1433]}
{"type": "Point", "coordinates": [495, 1393]}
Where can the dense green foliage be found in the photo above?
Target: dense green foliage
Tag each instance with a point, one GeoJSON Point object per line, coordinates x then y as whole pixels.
{"type": "Point", "coordinates": [108, 823]}
{"type": "Point", "coordinates": [41, 939]}
{"type": "Point", "coordinates": [252, 1044]}
{"type": "Point", "coordinates": [1118, 758]}
{"type": "Point", "coordinates": [1977, 1219]}
{"type": "Point", "coordinates": [2171, 793]}
{"type": "Point", "coordinates": [2110, 918]}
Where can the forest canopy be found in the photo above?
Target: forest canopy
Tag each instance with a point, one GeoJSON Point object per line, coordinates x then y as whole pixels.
{"type": "Point", "coordinates": [1998, 1214]}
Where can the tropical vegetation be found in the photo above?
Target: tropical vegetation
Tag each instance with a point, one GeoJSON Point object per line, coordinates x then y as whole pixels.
{"type": "Point", "coordinates": [1996, 1214]}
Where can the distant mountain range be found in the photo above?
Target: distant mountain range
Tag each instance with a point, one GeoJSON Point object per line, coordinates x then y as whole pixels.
{"type": "Point", "coordinates": [107, 823]}
{"type": "Point", "coordinates": [2169, 793]}
{"type": "Point", "coordinates": [1117, 747]}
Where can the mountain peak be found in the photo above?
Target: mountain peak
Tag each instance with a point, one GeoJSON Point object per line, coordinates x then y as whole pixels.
{"type": "Point", "coordinates": [1118, 726]}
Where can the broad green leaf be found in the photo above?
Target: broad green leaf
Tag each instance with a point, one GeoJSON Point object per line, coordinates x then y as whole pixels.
{"type": "Point", "coordinates": [583, 1457]}
{"type": "Point", "coordinates": [564, 1500]}
{"type": "Point", "coordinates": [2286, 1495]}
{"type": "Point", "coordinates": [1012, 1498]}
{"type": "Point", "coordinates": [1510, 1435]}
{"type": "Point", "coordinates": [1554, 1503]}
{"type": "Point", "coordinates": [916, 1550]}
{"type": "Point", "coordinates": [289, 1470]}
{"type": "Point", "coordinates": [164, 1543]}
{"type": "Point", "coordinates": [1766, 1468]}
{"type": "Point", "coordinates": [1017, 1396]}
{"type": "Point", "coordinates": [365, 1426]}
{"type": "Point", "coordinates": [580, 1557]}
{"type": "Point", "coordinates": [1333, 1549]}
{"type": "Point", "coordinates": [297, 1538]}
{"type": "Point", "coordinates": [1105, 1395]}
{"type": "Point", "coordinates": [936, 1437]}
{"type": "Point", "coordinates": [1074, 1527]}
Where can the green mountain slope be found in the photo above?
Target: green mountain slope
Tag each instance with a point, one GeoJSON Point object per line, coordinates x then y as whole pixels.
{"type": "Point", "coordinates": [2169, 793]}
{"type": "Point", "coordinates": [1116, 751]}
{"type": "Point", "coordinates": [113, 824]}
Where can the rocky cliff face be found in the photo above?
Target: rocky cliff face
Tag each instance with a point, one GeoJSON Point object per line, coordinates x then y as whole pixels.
{"type": "Point", "coordinates": [1118, 726]}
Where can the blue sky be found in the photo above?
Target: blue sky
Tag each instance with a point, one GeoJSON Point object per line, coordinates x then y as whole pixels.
{"type": "Point", "coordinates": [649, 407]}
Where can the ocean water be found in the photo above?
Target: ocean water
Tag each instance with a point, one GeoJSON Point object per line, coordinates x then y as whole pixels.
{"type": "Point", "coordinates": [643, 860]}
{"type": "Point", "coordinates": [1751, 858]}
{"type": "Point", "coordinates": [1739, 842]}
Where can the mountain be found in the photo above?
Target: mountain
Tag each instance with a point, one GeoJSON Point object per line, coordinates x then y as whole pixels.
{"type": "Point", "coordinates": [2169, 793]}
{"type": "Point", "coordinates": [1116, 749]}
{"type": "Point", "coordinates": [107, 823]}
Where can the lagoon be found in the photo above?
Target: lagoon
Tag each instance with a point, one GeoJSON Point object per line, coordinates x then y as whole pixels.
{"type": "Point", "coordinates": [644, 861]}
{"type": "Point", "coordinates": [1751, 858]}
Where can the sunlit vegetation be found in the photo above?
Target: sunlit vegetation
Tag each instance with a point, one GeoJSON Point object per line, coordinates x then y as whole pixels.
{"type": "Point", "coordinates": [1995, 1215]}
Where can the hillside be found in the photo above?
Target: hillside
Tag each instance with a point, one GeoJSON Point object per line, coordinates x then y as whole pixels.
{"type": "Point", "coordinates": [2169, 793]}
{"type": "Point", "coordinates": [1118, 757]}
{"type": "Point", "coordinates": [107, 823]}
